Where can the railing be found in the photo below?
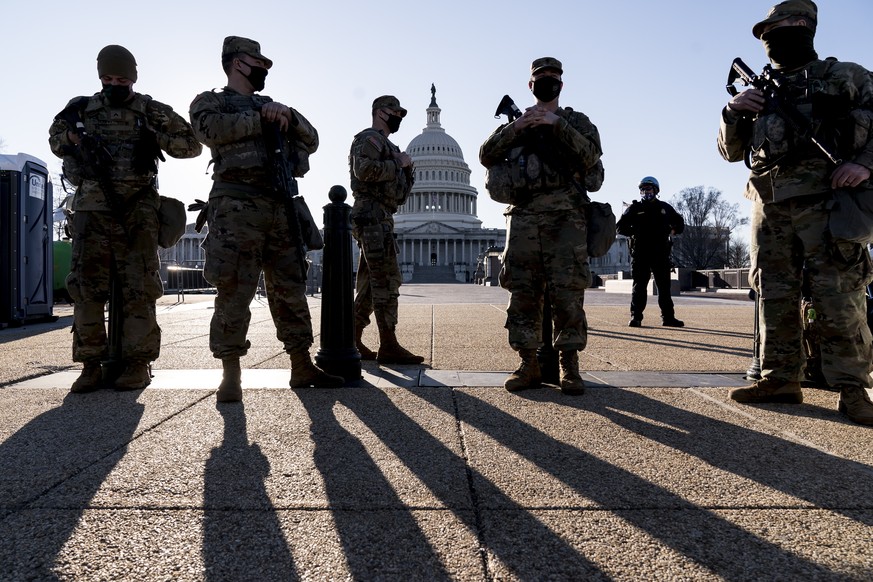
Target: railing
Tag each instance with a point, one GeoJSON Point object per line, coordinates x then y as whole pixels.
{"type": "Point", "coordinates": [726, 278]}
{"type": "Point", "coordinates": [187, 280]}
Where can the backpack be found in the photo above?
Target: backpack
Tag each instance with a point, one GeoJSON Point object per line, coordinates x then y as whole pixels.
{"type": "Point", "coordinates": [600, 227]}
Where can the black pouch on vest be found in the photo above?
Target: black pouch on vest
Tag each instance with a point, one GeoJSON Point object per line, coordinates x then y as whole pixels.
{"type": "Point", "coordinates": [309, 232]}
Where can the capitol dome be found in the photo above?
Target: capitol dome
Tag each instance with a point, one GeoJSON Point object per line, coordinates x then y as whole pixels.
{"type": "Point", "coordinates": [437, 226]}
{"type": "Point", "coordinates": [442, 190]}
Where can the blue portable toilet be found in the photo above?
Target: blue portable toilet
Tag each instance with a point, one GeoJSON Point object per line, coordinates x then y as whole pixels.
{"type": "Point", "coordinates": [26, 235]}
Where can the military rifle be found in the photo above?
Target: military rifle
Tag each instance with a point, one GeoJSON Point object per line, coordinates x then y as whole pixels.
{"type": "Point", "coordinates": [772, 84]}
{"type": "Point", "coordinates": [96, 163]}
{"type": "Point", "coordinates": [91, 154]}
{"type": "Point", "coordinates": [285, 184]}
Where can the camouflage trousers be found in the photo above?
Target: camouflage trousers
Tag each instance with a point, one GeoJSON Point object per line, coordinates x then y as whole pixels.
{"type": "Point", "coordinates": [546, 250]}
{"type": "Point", "coordinates": [101, 245]}
{"type": "Point", "coordinates": [377, 285]}
{"type": "Point", "coordinates": [247, 235]}
{"type": "Point", "coordinates": [786, 236]}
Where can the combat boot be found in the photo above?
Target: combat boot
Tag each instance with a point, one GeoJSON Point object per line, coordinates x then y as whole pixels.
{"type": "Point", "coordinates": [230, 389]}
{"type": "Point", "coordinates": [767, 390]}
{"type": "Point", "coordinates": [855, 403]}
{"type": "Point", "coordinates": [528, 373]}
{"type": "Point", "coordinates": [391, 352]}
{"type": "Point", "coordinates": [366, 353]}
{"type": "Point", "coordinates": [571, 381]}
{"type": "Point", "coordinates": [305, 374]}
{"type": "Point", "coordinates": [136, 376]}
{"type": "Point", "coordinates": [90, 379]}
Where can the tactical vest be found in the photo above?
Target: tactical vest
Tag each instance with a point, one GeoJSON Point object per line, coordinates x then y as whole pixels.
{"type": "Point", "coordinates": [121, 132]}
{"type": "Point", "coordinates": [534, 167]}
{"type": "Point", "coordinates": [773, 138]}
{"type": "Point", "coordinates": [250, 152]}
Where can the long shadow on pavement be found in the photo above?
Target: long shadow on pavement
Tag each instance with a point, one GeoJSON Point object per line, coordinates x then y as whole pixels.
{"type": "Point", "coordinates": [242, 536]}
{"type": "Point", "coordinates": [695, 532]}
{"type": "Point", "coordinates": [378, 533]}
{"type": "Point", "coordinates": [433, 463]}
{"type": "Point", "coordinates": [41, 458]}
{"type": "Point", "coordinates": [822, 480]}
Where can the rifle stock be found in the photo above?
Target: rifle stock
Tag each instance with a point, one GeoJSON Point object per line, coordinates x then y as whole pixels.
{"type": "Point", "coordinates": [508, 108]}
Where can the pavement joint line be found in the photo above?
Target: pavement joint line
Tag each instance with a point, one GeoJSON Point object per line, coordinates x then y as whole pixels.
{"type": "Point", "coordinates": [861, 467]}
{"type": "Point", "coordinates": [432, 337]}
{"type": "Point", "coordinates": [471, 489]}
{"type": "Point", "coordinates": [50, 488]}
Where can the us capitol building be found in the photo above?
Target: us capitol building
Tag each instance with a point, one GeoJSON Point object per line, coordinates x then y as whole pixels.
{"type": "Point", "coordinates": [439, 237]}
{"type": "Point", "coordinates": [438, 233]}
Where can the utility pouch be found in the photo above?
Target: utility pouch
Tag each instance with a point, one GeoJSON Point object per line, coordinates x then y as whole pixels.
{"type": "Point", "coordinates": [507, 181]}
{"type": "Point", "coordinates": [309, 232]}
{"type": "Point", "coordinates": [851, 215]}
{"type": "Point", "coordinates": [373, 239]}
{"type": "Point", "coordinates": [171, 221]}
{"type": "Point", "coordinates": [600, 227]}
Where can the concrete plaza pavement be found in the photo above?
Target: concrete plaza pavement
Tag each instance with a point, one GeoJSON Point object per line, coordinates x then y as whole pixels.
{"type": "Point", "coordinates": [430, 472]}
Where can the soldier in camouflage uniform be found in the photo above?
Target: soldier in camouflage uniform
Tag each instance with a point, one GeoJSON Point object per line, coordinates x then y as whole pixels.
{"type": "Point", "coordinates": [115, 214]}
{"type": "Point", "coordinates": [248, 224]}
{"type": "Point", "coordinates": [381, 179]}
{"type": "Point", "coordinates": [546, 247]}
{"type": "Point", "coordinates": [791, 187]}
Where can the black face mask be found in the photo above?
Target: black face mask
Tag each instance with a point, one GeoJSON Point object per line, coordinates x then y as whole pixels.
{"type": "Point", "coordinates": [393, 122]}
{"type": "Point", "coordinates": [256, 77]}
{"type": "Point", "coordinates": [547, 89]}
{"type": "Point", "coordinates": [789, 47]}
{"type": "Point", "coordinates": [116, 94]}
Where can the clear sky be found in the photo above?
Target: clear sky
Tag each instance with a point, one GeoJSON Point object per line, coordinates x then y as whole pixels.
{"type": "Point", "coordinates": [650, 74]}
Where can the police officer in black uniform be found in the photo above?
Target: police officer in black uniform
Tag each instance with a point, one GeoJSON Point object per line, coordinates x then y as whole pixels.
{"type": "Point", "coordinates": [649, 223]}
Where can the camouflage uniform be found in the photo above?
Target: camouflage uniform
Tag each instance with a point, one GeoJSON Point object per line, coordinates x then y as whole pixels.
{"type": "Point", "coordinates": [120, 226]}
{"type": "Point", "coordinates": [248, 226]}
{"type": "Point", "coordinates": [546, 240]}
{"type": "Point", "coordinates": [790, 190]}
{"type": "Point", "coordinates": [379, 186]}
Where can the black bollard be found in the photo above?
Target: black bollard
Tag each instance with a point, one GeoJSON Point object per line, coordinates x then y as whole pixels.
{"type": "Point", "coordinates": [547, 356]}
{"type": "Point", "coordinates": [338, 354]}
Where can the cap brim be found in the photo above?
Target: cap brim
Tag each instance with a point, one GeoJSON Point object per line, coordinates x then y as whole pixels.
{"type": "Point", "coordinates": [758, 29]}
{"type": "Point", "coordinates": [538, 69]}
{"type": "Point", "coordinates": [267, 61]}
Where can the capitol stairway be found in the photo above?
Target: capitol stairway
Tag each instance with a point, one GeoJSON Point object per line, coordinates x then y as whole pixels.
{"type": "Point", "coordinates": [434, 274]}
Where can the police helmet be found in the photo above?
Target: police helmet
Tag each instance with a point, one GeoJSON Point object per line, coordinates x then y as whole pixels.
{"type": "Point", "coordinates": [650, 181]}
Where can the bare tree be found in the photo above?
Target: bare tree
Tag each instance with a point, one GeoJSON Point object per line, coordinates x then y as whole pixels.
{"type": "Point", "coordinates": [709, 223]}
{"type": "Point", "coordinates": [738, 255]}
